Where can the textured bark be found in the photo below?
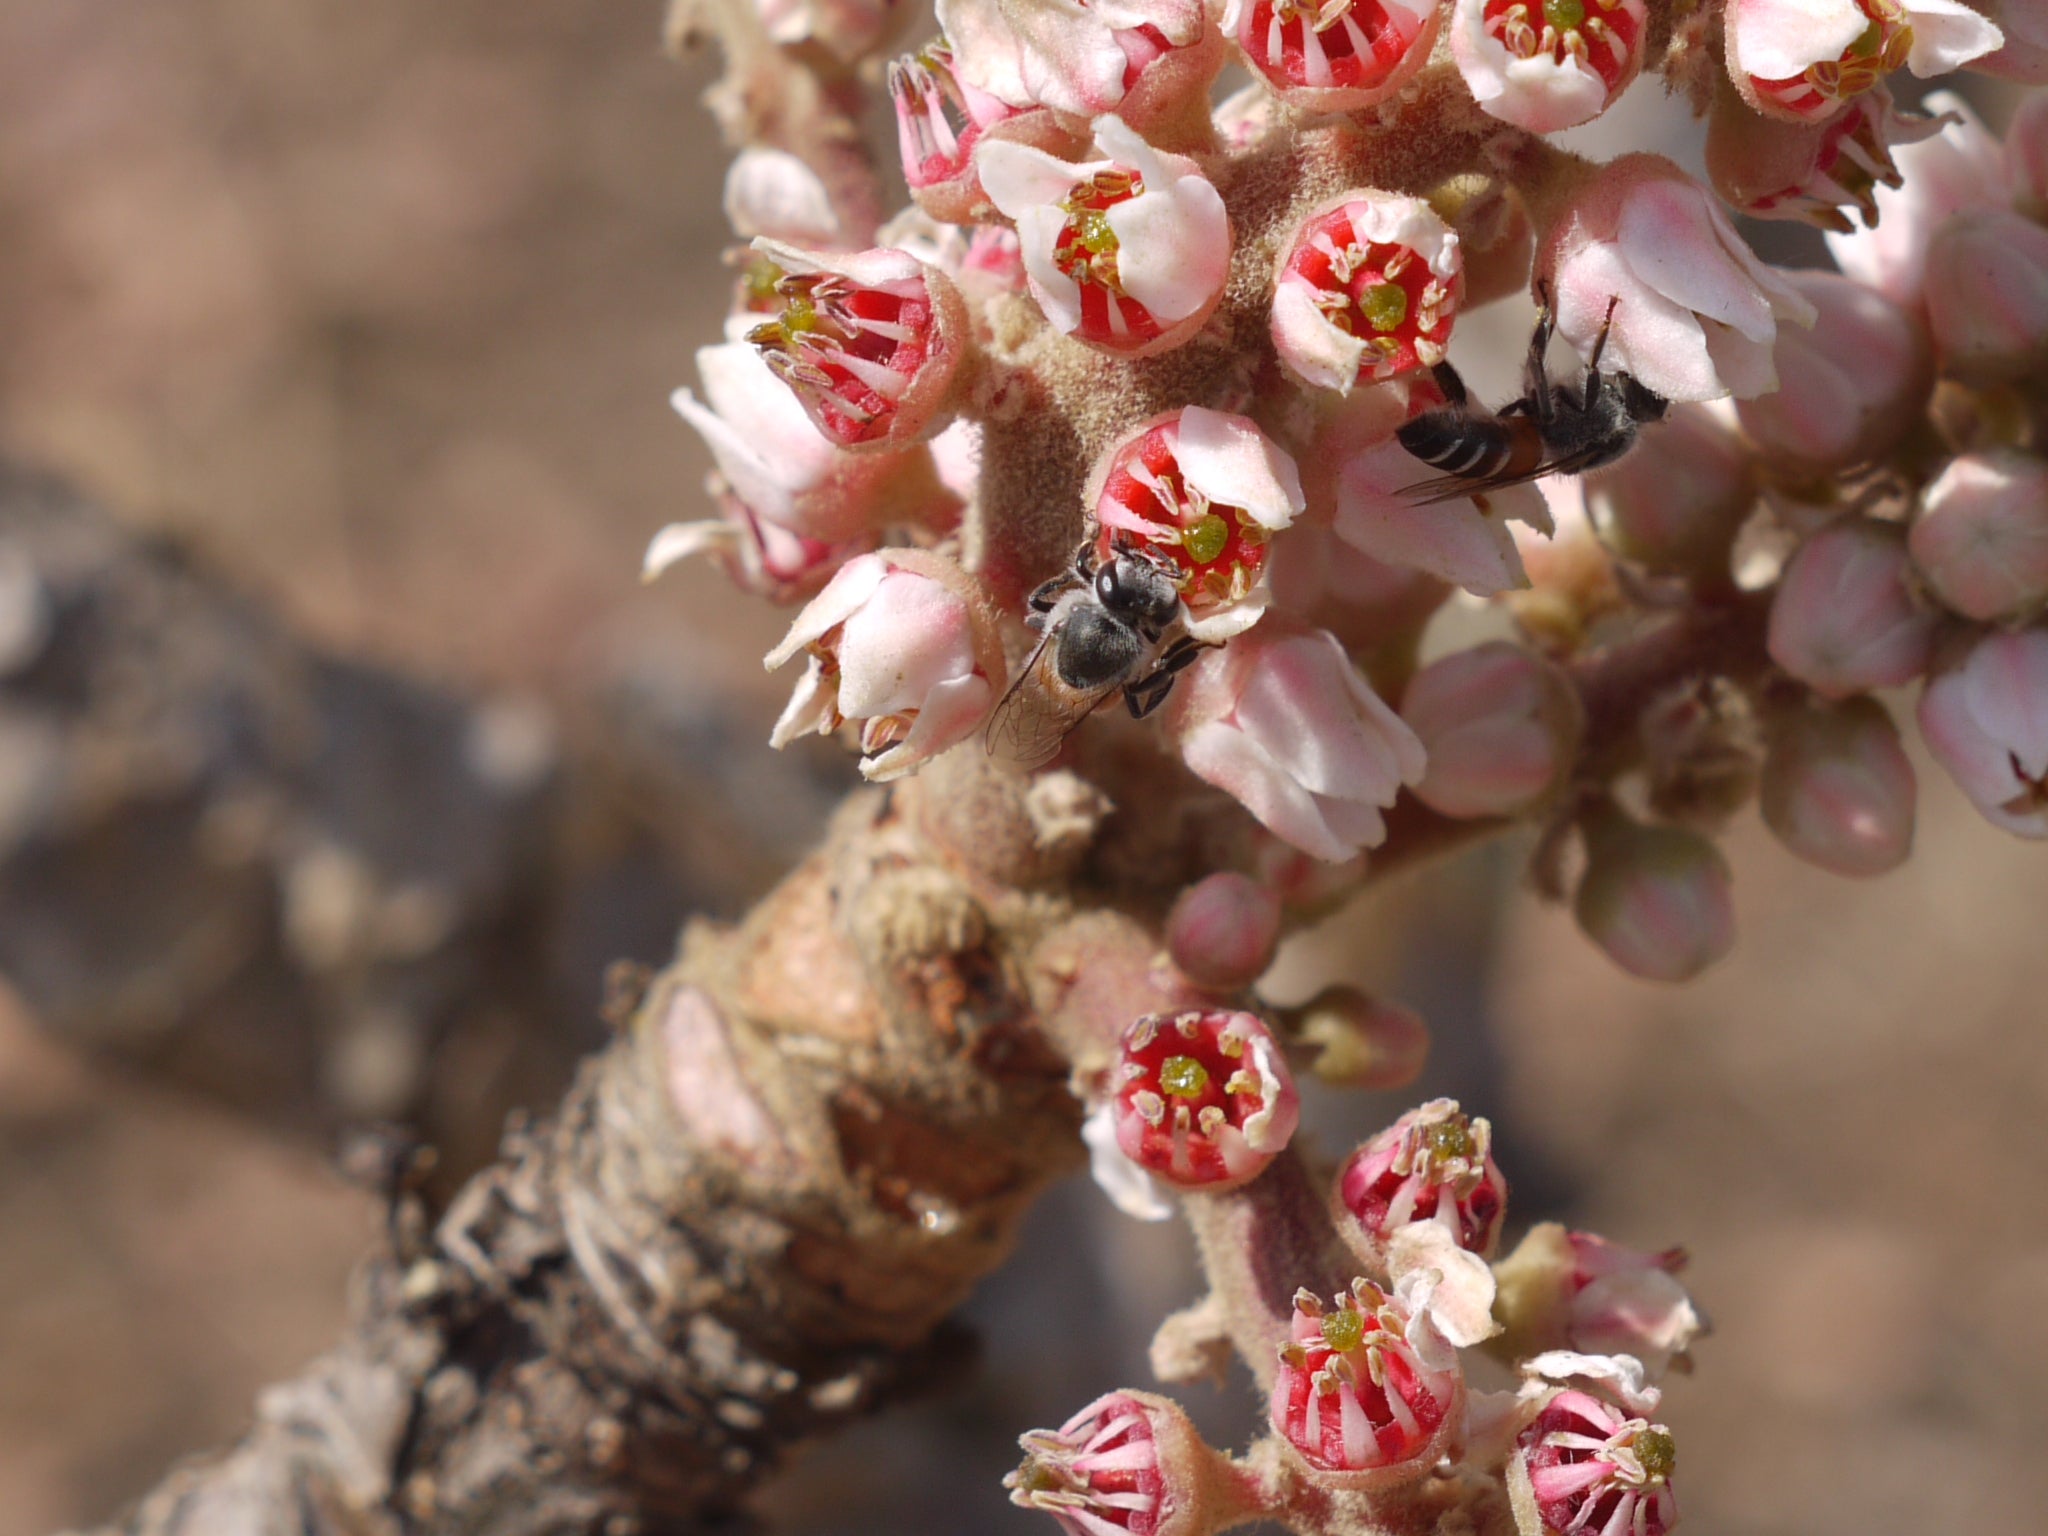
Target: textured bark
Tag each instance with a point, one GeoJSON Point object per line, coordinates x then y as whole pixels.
{"type": "Point", "coordinates": [314, 888]}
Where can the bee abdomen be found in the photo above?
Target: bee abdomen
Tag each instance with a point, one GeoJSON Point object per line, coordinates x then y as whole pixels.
{"type": "Point", "coordinates": [1457, 443]}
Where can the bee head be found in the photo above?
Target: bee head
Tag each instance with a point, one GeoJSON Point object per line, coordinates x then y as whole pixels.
{"type": "Point", "coordinates": [1136, 589]}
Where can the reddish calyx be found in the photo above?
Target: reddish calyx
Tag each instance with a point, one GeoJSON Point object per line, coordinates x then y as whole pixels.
{"type": "Point", "coordinates": [1217, 551]}
{"type": "Point", "coordinates": [1202, 1099]}
{"type": "Point", "coordinates": [1327, 44]}
{"type": "Point", "coordinates": [1383, 293]}
{"type": "Point", "coordinates": [849, 352]}
{"type": "Point", "coordinates": [1599, 35]}
{"type": "Point", "coordinates": [1351, 1394]}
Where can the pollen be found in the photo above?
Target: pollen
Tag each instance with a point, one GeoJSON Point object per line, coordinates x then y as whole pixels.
{"type": "Point", "coordinates": [1657, 1453]}
{"type": "Point", "coordinates": [1183, 1077]}
{"type": "Point", "coordinates": [1386, 304]}
{"type": "Point", "coordinates": [1344, 1330]}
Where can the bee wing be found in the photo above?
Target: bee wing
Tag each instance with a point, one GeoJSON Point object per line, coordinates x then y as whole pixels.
{"type": "Point", "coordinates": [1037, 711]}
{"type": "Point", "coordinates": [1441, 488]}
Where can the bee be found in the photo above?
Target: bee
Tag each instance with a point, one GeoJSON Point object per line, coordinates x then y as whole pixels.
{"type": "Point", "coordinates": [1102, 627]}
{"type": "Point", "coordinates": [1553, 429]}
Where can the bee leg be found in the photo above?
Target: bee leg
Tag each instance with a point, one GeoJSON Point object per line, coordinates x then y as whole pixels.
{"type": "Point", "coordinates": [1536, 392]}
{"type": "Point", "coordinates": [1150, 691]}
{"type": "Point", "coordinates": [1451, 383]}
{"type": "Point", "coordinates": [1048, 594]}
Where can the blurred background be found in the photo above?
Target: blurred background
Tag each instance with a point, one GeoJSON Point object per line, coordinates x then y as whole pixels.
{"type": "Point", "coordinates": [372, 309]}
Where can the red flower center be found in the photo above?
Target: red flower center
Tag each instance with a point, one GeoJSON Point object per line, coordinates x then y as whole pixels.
{"type": "Point", "coordinates": [1383, 293]}
{"type": "Point", "coordinates": [1344, 44]}
{"type": "Point", "coordinates": [1217, 550]}
{"type": "Point", "coordinates": [1599, 34]}
{"type": "Point", "coordinates": [849, 352]}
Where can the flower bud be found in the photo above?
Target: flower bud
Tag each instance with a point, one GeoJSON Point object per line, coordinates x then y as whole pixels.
{"type": "Point", "coordinates": [1646, 252]}
{"type": "Point", "coordinates": [1550, 65]}
{"type": "Point", "coordinates": [1848, 388]}
{"type": "Point", "coordinates": [1838, 788]}
{"type": "Point", "coordinates": [1588, 1468]}
{"type": "Point", "coordinates": [1361, 1041]}
{"type": "Point", "coordinates": [1843, 619]}
{"type": "Point", "coordinates": [1814, 172]}
{"type": "Point", "coordinates": [1205, 492]}
{"type": "Point", "coordinates": [1141, 59]}
{"type": "Point", "coordinates": [1223, 930]}
{"type": "Point", "coordinates": [1674, 505]}
{"type": "Point", "coordinates": [902, 643]}
{"type": "Point", "coordinates": [1129, 252]}
{"type": "Point", "coordinates": [1433, 1164]}
{"type": "Point", "coordinates": [1367, 290]}
{"type": "Point", "coordinates": [1202, 1100]}
{"type": "Point", "coordinates": [1501, 728]}
{"type": "Point", "coordinates": [868, 342]}
{"type": "Point", "coordinates": [1333, 55]}
{"type": "Point", "coordinates": [1984, 714]}
{"type": "Point", "coordinates": [1562, 1290]}
{"type": "Point", "coordinates": [1981, 539]}
{"type": "Point", "coordinates": [1960, 167]}
{"type": "Point", "coordinates": [1365, 1387]}
{"type": "Point", "coordinates": [1130, 1462]}
{"type": "Point", "coordinates": [1986, 288]}
{"type": "Point", "coordinates": [1656, 899]}
{"type": "Point", "coordinates": [1282, 721]}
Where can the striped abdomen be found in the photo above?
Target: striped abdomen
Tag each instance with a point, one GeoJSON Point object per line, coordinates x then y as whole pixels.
{"type": "Point", "coordinates": [1456, 442]}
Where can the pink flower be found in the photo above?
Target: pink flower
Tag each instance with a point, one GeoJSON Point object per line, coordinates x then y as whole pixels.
{"type": "Point", "coordinates": [1281, 720]}
{"type": "Point", "coordinates": [1206, 492]}
{"type": "Point", "coordinates": [1986, 287]}
{"type": "Point", "coordinates": [1674, 505]}
{"type": "Point", "coordinates": [1127, 253]}
{"type": "Point", "coordinates": [1201, 1100]}
{"type": "Point", "coordinates": [775, 467]}
{"type": "Point", "coordinates": [1567, 1295]}
{"type": "Point", "coordinates": [1083, 57]}
{"type": "Point", "coordinates": [1981, 538]}
{"type": "Point", "coordinates": [1333, 55]}
{"type": "Point", "coordinates": [1366, 1386]}
{"type": "Point", "coordinates": [1837, 788]}
{"type": "Point", "coordinates": [1433, 1164]}
{"type": "Point", "coordinates": [758, 556]}
{"type": "Point", "coordinates": [1501, 727]}
{"type": "Point", "coordinates": [1844, 619]}
{"type": "Point", "coordinates": [1656, 899]}
{"type": "Point", "coordinates": [1984, 714]}
{"type": "Point", "coordinates": [868, 342]}
{"type": "Point", "coordinates": [1815, 172]}
{"type": "Point", "coordinates": [1694, 314]}
{"type": "Point", "coordinates": [1847, 388]}
{"type": "Point", "coordinates": [901, 643]}
{"type": "Point", "coordinates": [1801, 59]}
{"type": "Point", "coordinates": [1130, 1462]}
{"type": "Point", "coordinates": [1327, 583]}
{"type": "Point", "coordinates": [1548, 65]}
{"type": "Point", "coordinates": [1960, 167]}
{"type": "Point", "coordinates": [1466, 542]}
{"type": "Point", "coordinates": [1588, 1468]}
{"type": "Point", "coordinates": [1223, 930]}
{"type": "Point", "coordinates": [1368, 289]}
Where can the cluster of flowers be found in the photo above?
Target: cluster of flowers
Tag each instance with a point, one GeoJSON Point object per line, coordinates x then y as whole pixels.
{"type": "Point", "coordinates": [1083, 211]}
{"type": "Point", "coordinates": [1367, 1389]}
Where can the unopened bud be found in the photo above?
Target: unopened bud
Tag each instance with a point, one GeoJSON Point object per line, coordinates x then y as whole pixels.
{"type": "Point", "coordinates": [1361, 1041]}
{"type": "Point", "coordinates": [1501, 726]}
{"type": "Point", "coordinates": [1981, 538]}
{"type": "Point", "coordinates": [1656, 899]}
{"type": "Point", "coordinates": [1987, 295]}
{"type": "Point", "coordinates": [1223, 930]}
{"type": "Point", "coordinates": [1838, 789]}
{"type": "Point", "coordinates": [1844, 619]}
{"type": "Point", "coordinates": [1984, 715]}
{"type": "Point", "coordinates": [1674, 505]}
{"type": "Point", "coordinates": [1847, 388]}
